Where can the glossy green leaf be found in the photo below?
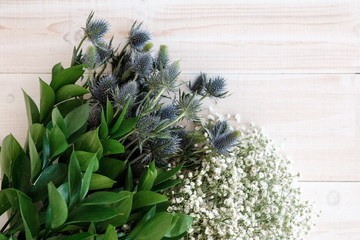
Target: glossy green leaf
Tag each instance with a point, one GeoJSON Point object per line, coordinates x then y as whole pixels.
{"type": "Point", "coordinates": [69, 91]}
{"type": "Point", "coordinates": [67, 106]}
{"type": "Point", "coordinates": [147, 198]}
{"type": "Point", "coordinates": [98, 198]}
{"type": "Point", "coordinates": [76, 119]}
{"type": "Point", "coordinates": [57, 142]}
{"type": "Point", "coordinates": [93, 213]}
{"type": "Point", "coordinates": [63, 189]}
{"type": "Point", "coordinates": [29, 216]}
{"type": "Point", "coordinates": [164, 175]}
{"type": "Point", "coordinates": [104, 130]}
{"type": "Point", "coordinates": [35, 161]}
{"type": "Point", "coordinates": [32, 110]}
{"type": "Point", "coordinates": [166, 185]}
{"type": "Point", "coordinates": [87, 178]}
{"type": "Point", "coordinates": [74, 178]}
{"type": "Point", "coordinates": [21, 173]}
{"type": "Point", "coordinates": [58, 120]}
{"type": "Point", "coordinates": [85, 158]}
{"type": "Point", "coordinates": [67, 76]}
{"type": "Point", "coordinates": [150, 214]}
{"type": "Point", "coordinates": [110, 233]}
{"type": "Point", "coordinates": [112, 146]}
{"type": "Point", "coordinates": [47, 100]}
{"type": "Point", "coordinates": [109, 112]}
{"type": "Point", "coordinates": [155, 228]}
{"type": "Point", "coordinates": [147, 178]}
{"type": "Point", "coordinates": [182, 224]}
{"type": "Point", "coordinates": [129, 184]}
{"type": "Point", "coordinates": [36, 131]}
{"type": "Point", "coordinates": [119, 120]}
{"type": "Point", "coordinates": [100, 182]}
{"type": "Point", "coordinates": [8, 199]}
{"type": "Point", "coordinates": [2, 237]}
{"type": "Point", "coordinates": [10, 150]}
{"type": "Point", "coordinates": [111, 167]}
{"type": "Point", "coordinates": [58, 207]}
{"type": "Point", "coordinates": [126, 126]}
{"type": "Point", "coordinates": [79, 236]}
{"type": "Point", "coordinates": [57, 68]}
{"type": "Point", "coordinates": [56, 173]}
{"type": "Point", "coordinates": [45, 148]}
{"type": "Point", "coordinates": [90, 142]}
{"type": "Point", "coordinates": [123, 208]}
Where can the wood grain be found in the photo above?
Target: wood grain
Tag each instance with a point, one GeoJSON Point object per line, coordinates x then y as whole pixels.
{"type": "Point", "coordinates": [315, 117]}
{"type": "Point", "coordinates": [222, 35]}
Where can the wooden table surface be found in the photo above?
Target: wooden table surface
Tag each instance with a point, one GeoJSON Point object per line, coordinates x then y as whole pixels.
{"type": "Point", "coordinates": [291, 68]}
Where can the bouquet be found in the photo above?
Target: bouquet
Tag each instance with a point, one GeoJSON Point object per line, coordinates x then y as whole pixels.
{"type": "Point", "coordinates": [117, 149]}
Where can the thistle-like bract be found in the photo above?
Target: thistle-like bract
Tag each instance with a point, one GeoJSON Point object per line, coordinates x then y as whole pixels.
{"type": "Point", "coordinates": [94, 118]}
{"type": "Point", "coordinates": [198, 86]}
{"type": "Point", "coordinates": [169, 112]}
{"type": "Point", "coordinates": [222, 143]}
{"type": "Point", "coordinates": [138, 37]}
{"type": "Point", "coordinates": [101, 90]}
{"type": "Point", "coordinates": [141, 63]}
{"type": "Point", "coordinates": [216, 87]}
{"type": "Point", "coordinates": [188, 105]}
{"type": "Point", "coordinates": [161, 149]}
{"type": "Point", "coordinates": [95, 29]}
{"type": "Point", "coordinates": [162, 58]}
{"type": "Point", "coordinates": [122, 94]}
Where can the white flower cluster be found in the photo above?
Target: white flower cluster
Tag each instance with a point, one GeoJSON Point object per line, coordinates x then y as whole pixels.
{"type": "Point", "coordinates": [249, 194]}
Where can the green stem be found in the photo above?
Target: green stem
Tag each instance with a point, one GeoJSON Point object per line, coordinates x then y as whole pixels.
{"type": "Point", "coordinates": [137, 159]}
{"type": "Point", "coordinates": [77, 50]}
{"type": "Point", "coordinates": [102, 70]}
{"type": "Point", "coordinates": [174, 121]}
{"type": "Point", "coordinates": [131, 153]}
{"type": "Point", "coordinates": [132, 131]}
{"type": "Point", "coordinates": [131, 143]}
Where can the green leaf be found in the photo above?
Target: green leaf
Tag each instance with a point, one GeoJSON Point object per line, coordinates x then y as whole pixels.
{"type": "Point", "coordinates": [123, 208]}
{"type": "Point", "coordinates": [110, 233]}
{"type": "Point", "coordinates": [98, 198]}
{"type": "Point", "coordinates": [8, 199]}
{"type": "Point", "coordinates": [56, 173]}
{"type": "Point", "coordinates": [57, 142]}
{"type": "Point", "coordinates": [76, 119]}
{"type": "Point", "coordinates": [79, 236]}
{"type": "Point", "coordinates": [67, 106]}
{"type": "Point", "coordinates": [74, 178]}
{"type": "Point", "coordinates": [112, 146]}
{"type": "Point", "coordinates": [32, 110]}
{"type": "Point", "coordinates": [35, 161]}
{"type": "Point", "coordinates": [87, 178]}
{"type": "Point", "coordinates": [90, 142]}
{"type": "Point", "coordinates": [69, 91]}
{"type": "Point", "coordinates": [85, 158]}
{"type": "Point", "coordinates": [21, 173]}
{"type": "Point", "coordinates": [63, 189]}
{"type": "Point", "coordinates": [36, 132]}
{"type": "Point", "coordinates": [165, 185]}
{"type": "Point", "coordinates": [93, 213]}
{"type": "Point", "coordinates": [155, 228]}
{"type": "Point", "coordinates": [126, 126]}
{"type": "Point", "coordinates": [58, 207]}
{"type": "Point", "coordinates": [67, 76]}
{"type": "Point", "coordinates": [47, 100]}
{"type": "Point", "coordinates": [57, 68]}
{"type": "Point", "coordinates": [100, 182]}
{"type": "Point", "coordinates": [46, 148]}
{"type": "Point", "coordinates": [104, 131]}
{"type": "Point", "coordinates": [129, 184]}
{"type": "Point", "coordinates": [111, 167]}
{"type": "Point", "coordinates": [10, 150]}
{"type": "Point", "coordinates": [147, 178]}
{"type": "Point", "coordinates": [182, 224]}
{"type": "Point", "coordinates": [109, 112]}
{"type": "Point", "coordinates": [30, 216]}
{"type": "Point", "coordinates": [2, 237]}
{"type": "Point", "coordinates": [58, 120]}
{"type": "Point", "coordinates": [120, 118]}
{"type": "Point", "coordinates": [150, 214]}
{"type": "Point", "coordinates": [164, 175]}
{"type": "Point", "coordinates": [147, 198]}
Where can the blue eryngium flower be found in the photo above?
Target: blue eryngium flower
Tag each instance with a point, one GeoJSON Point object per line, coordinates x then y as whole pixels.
{"type": "Point", "coordinates": [141, 63]}
{"type": "Point", "coordinates": [209, 87]}
{"type": "Point", "coordinates": [221, 137]}
{"type": "Point", "coordinates": [169, 112]}
{"type": "Point", "coordinates": [198, 86]}
{"type": "Point", "coordinates": [94, 118]}
{"type": "Point", "coordinates": [138, 37]}
{"type": "Point", "coordinates": [102, 89]}
{"type": "Point", "coordinates": [96, 29]}
{"type": "Point", "coordinates": [161, 149]}
{"type": "Point", "coordinates": [122, 94]}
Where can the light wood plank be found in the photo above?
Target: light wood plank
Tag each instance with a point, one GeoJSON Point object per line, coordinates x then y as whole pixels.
{"type": "Point", "coordinates": [315, 117]}
{"type": "Point", "coordinates": [229, 35]}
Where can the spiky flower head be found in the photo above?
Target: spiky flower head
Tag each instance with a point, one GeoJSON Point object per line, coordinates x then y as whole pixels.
{"type": "Point", "coordinates": [170, 75]}
{"type": "Point", "coordinates": [199, 85]}
{"type": "Point", "coordinates": [91, 58]}
{"type": "Point", "coordinates": [146, 125]}
{"type": "Point", "coordinates": [219, 128]}
{"type": "Point", "coordinates": [161, 149]}
{"type": "Point", "coordinates": [102, 89]}
{"type": "Point", "coordinates": [162, 58]}
{"type": "Point", "coordinates": [141, 63]}
{"type": "Point", "coordinates": [95, 29]}
{"type": "Point", "coordinates": [94, 118]}
{"type": "Point", "coordinates": [169, 112]}
{"type": "Point", "coordinates": [138, 37]}
{"type": "Point", "coordinates": [122, 94]}
{"type": "Point", "coordinates": [188, 105]}
{"type": "Point", "coordinates": [216, 87]}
